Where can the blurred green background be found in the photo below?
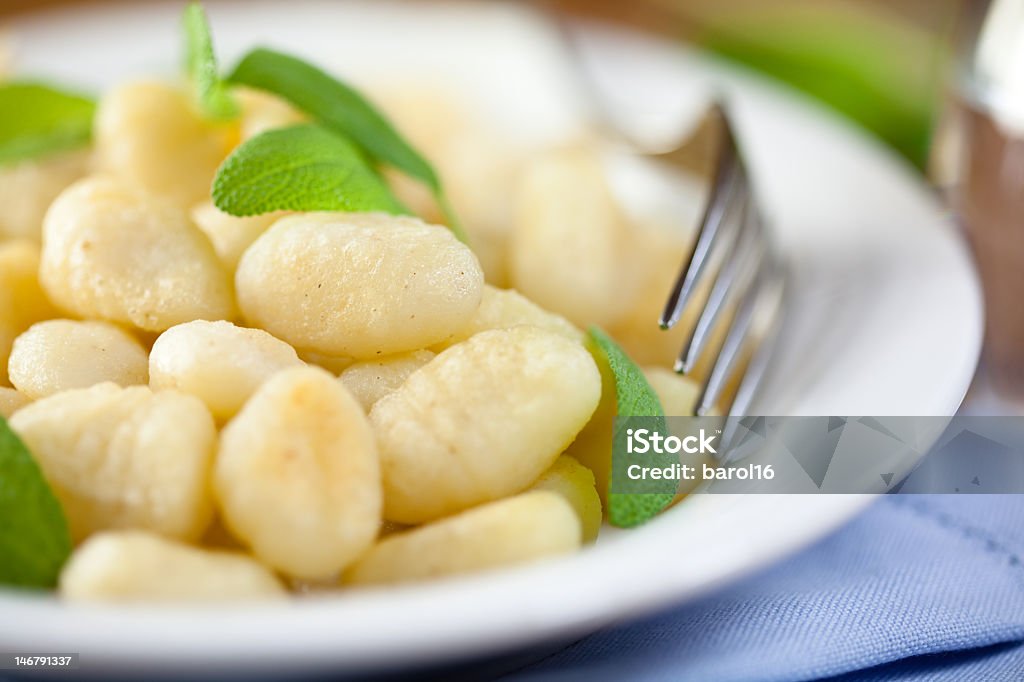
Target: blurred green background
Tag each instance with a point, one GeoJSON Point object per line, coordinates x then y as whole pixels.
{"type": "Point", "coordinates": [881, 63]}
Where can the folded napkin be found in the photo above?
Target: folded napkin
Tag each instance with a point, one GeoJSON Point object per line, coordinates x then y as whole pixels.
{"type": "Point", "coordinates": [920, 587]}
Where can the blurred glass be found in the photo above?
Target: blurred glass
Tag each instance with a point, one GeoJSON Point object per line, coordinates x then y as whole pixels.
{"type": "Point", "coordinates": [980, 154]}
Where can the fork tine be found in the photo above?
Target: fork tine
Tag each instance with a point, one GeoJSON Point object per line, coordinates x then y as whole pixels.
{"type": "Point", "coordinates": [728, 180]}
{"type": "Point", "coordinates": [759, 362]}
{"type": "Point", "coordinates": [762, 300]}
{"type": "Point", "coordinates": [752, 380]}
{"type": "Point", "coordinates": [731, 283]}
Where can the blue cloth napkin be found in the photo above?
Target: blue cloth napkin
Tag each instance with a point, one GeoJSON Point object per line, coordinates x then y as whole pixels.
{"type": "Point", "coordinates": [920, 587]}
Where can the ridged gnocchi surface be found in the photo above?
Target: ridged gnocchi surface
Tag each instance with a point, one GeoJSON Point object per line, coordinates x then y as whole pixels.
{"type": "Point", "coordinates": [481, 421]}
{"type": "Point", "coordinates": [124, 458]}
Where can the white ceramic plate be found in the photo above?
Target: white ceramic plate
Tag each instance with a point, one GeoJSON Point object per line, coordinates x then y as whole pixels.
{"type": "Point", "coordinates": [886, 320]}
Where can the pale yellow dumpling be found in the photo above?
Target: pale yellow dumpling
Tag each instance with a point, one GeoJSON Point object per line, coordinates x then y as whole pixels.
{"type": "Point", "coordinates": [482, 420]}
{"type": "Point", "coordinates": [297, 476]}
{"type": "Point", "coordinates": [150, 134]}
{"type": "Point", "coordinates": [134, 566]}
{"type": "Point", "coordinates": [113, 253]}
{"type": "Point", "coordinates": [124, 458]}
{"type": "Point", "coordinates": [218, 362]}
{"type": "Point", "coordinates": [517, 530]}
{"type": "Point", "coordinates": [59, 355]}
{"type": "Point", "coordinates": [358, 285]}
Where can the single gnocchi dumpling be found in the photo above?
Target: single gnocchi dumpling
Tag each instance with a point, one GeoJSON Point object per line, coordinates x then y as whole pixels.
{"type": "Point", "coordinates": [231, 235]}
{"type": "Point", "coordinates": [11, 401]}
{"type": "Point", "coordinates": [297, 477]}
{"type": "Point", "coordinates": [566, 207]}
{"type": "Point", "coordinates": [217, 362]}
{"type": "Point", "coordinates": [481, 421]}
{"type": "Point", "coordinates": [134, 566]}
{"type": "Point", "coordinates": [22, 300]}
{"type": "Point", "coordinates": [508, 532]}
{"type": "Point", "coordinates": [358, 285]}
{"type": "Point", "coordinates": [575, 483]}
{"type": "Point", "coordinates": [371, 380]}
{"type": "Point", "coordinates": [150, 134]}
{"type": "Point", "coordinates": [113, 253]}
{"type": "Point", "coordinates": [124, 458]}
{"type": "Point", "coordinates": [28, 188]}
{"type": "Point", "coordinates": [505, 308]}
{"type": "Point", "coordinates": [59, 355]}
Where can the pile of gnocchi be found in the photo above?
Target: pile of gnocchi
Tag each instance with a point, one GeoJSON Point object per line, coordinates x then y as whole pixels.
{"type": "Point", "coordinates": [237, 408]}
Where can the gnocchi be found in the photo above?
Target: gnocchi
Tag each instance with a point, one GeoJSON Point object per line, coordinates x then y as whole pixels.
{"type": "Point", "coordinates": [359, 285]}
{"type": "Point", "coordinates": [371, 380]}
{"type": "Point", "coordinates": [28, 188]}
{"type": "Point", "coordinates": [124, 458]}
{"type": "Point", "coordinates": [229, 235]}
{"type": "Point", "coordinates": [11, 401]}
{"type": "Point", "coordinates": [652, 263]}
{"type": "Point", "coordinates": [59, 355]}
{"type": "Point", "coordinates": [232, 407]}
{"type": "Point", "coordinates": [149, 134]}
{"type": "Point", "coordinates": [131, 566]}
{"type": "Point", "coordinates": [478, 165]}
{"type": "Point", "coordinates": [217, 362]}
{"type": "Point", "coordinates": [262, 111]}
{"type": "Point", "coordinates": [519, 529]}
{"type": "Point", "coordinates": [114, 254]}
{"type": "Point", "coordinates": [575, 483]}
{"type": "Point", "coordinates": [297, 477]}
{"type": "Point", "coordinates": [335, 364]}
{"type": "Point", "coordinates": [504, 308]}
{"type": "Point", "coordinates": [481, 421]}
{"type": "Point", "coordinates": [565, 207]}
{"type": "Point", "coordinates": [22, 300]}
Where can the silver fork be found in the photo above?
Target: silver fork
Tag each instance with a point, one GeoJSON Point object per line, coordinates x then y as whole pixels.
{"type": "Point", "coordinates": [733, 258]}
